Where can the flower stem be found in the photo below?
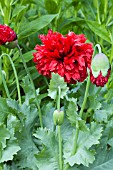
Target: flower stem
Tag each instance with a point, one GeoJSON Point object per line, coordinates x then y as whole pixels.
{"type": "Point", "coordinates": [3, 80]}
{"type": "Point", "coordinates": [76, 138]}
{"type": "Point", "coordinates": [60, 147]}
{"type": "Point", "coordinates": [27, 71]}
{"type": "Point", "coordinates": [59, 132]}
{"type": "Point", "coordinates": [77, 126]}
{"type": "Point", "coordinates": [58, 100]}
{"type": "Point", "coordinates": [16, 77]}
{"type": "Point", "coordinates": [85, 96]}
{"type": "Point", "coordinates": [99, 48]}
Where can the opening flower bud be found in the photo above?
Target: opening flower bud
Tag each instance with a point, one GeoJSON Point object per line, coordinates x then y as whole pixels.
{"type": "Point", "coordinates": [8, 37]}
{"type": "Point", "coordinates": [58, 117]}
{"type": "Point", "coordinates": [100, 70]}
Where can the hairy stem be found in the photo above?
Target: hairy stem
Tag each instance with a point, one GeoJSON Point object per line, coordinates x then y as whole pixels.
{"type": "Point", "coordinates": [58, 100]}
{"type": "Point", "coordinates": [59, 132]}
{"type": "Point", "coordinates": [99, 48]}
{"type": "Point", "coordinates": [85, 96]}
{"type": "Point", "coordinates": [3, 80]}
{"type": "Point", "coordinates": [60, 147]}
{"type": "Point", "coordinates": [27, 71]}
{"type": "Point", "coordinates": [16, 77]}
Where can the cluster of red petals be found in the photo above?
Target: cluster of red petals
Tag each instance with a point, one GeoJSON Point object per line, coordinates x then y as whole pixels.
{"type": "Point", "coordinates": [69, 56]}
{"type": "Point", "coordinates": [100, 80]}
{"type": "Point", "coordinates": [6, 34]}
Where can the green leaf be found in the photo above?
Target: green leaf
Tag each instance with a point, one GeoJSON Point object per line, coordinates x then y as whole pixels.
{"type": "Point", "coordinates": [71, 22]}
{"type": "Point", "coordinates": [28, 148]}
{"type": "Point", "coordinates": [98, 29]}
{"type": "Point", "coordinates": [25, 157]}
{"type": "Point", "coordinates": [48, 157]}
{"type": "Point", "coordinates": [0, 150]}
{"type": "Point", "coordinates": [47, 112]}
{"type": "Point", "coordinates": [26, 114]}
{"type": "Point", "coordinates": [56, 82]}
{"type": "Point", "coordinates": [110, 142]}
{"type": "Point", "coordinates": [9, 152]}
{"type": "Point", "coordinates": [4, 135]}
{"type": "Point", "coordinates": [104, 159]}
{"type": "Point", "coordinates": [72, 111]}
{"type": "Point", "coordinates": [8, 140]}
{"type": "Point", "coordinates": [73, 116]}
{"type": "Point", "coordinates": [29, 91]}
{"type": "Point", "coordinates": [17, 10]}
{"type": "Point", "coordinates": [100, 116]}
{"type": "Point", "coordinates": [84, 155]}
{"type": "Point", "coordinates": [66, 130]}
{"type": "Point", "coordinates": [13, 125]}
{"type": "Point", "coordinates": [15, 109]}
{"type": "Point", "coordinates": [4, 110]}
{"type": "Point", "coordinates": [35, 25]}
{"type": "Point", "coordinates": [107, 165]}
{"type": "Point", "coordinates": [94, 103]}
{"type": "Point", "coordinates": [109, 95]}
{"type": "Point", "coordinates": [28, 56]}
{"type": "Point", "coordinates": [51, 6]}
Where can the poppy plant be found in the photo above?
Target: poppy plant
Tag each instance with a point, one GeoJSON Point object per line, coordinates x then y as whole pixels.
{"type": "Point", "coordinates": [69, 56]}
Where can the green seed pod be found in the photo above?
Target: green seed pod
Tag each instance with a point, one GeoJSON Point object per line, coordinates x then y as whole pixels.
{"type": "Point", "coordinates": [58, 117]}
{"type": "Point", "coordinates": [99, 63]}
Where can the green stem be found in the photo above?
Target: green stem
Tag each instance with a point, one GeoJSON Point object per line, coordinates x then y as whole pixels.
{"type": "Point", "coordinates": [75, 139]}
{"type": "Point", "coordinates": [16, 77]}
{"type": "Point", "coordinates": [77, 126]}
{"type": "Point", "coordinates": [6, 66]}
{"type": "Point", "coordinates": [58, 100]}
{"type": "Point", "coordinates": [27, 71]}
{"type": "Point", "coordinates": [60, 147]}
{"type": "Point", "coordinates": [3, 80]}
{"type": "Point", "coordinates": [85, 97]}
{"type": "Point", "coordinates": [99, 48]}
{"type": "Point", "coordinates": [59, 132]}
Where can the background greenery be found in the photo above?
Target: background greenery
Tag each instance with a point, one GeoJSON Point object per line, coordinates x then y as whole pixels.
{"type": "Point", "coordinates": [23, 144]}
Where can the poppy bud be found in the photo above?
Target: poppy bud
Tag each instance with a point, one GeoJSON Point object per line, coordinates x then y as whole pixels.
{"type": "Point", "coordinates": [100, 70]}
{"type": "Point", "coordinates": [58, 117]}
{"type": "Point", "coordinates": [8, 37]}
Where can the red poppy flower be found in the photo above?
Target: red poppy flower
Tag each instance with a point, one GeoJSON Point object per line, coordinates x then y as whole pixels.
{"type": "Point", "coordinates": [100, 80]}
{"type": "Point", "coordinates": [69, 56]}
{"type": "Point", "coordinates": [6, 34]}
